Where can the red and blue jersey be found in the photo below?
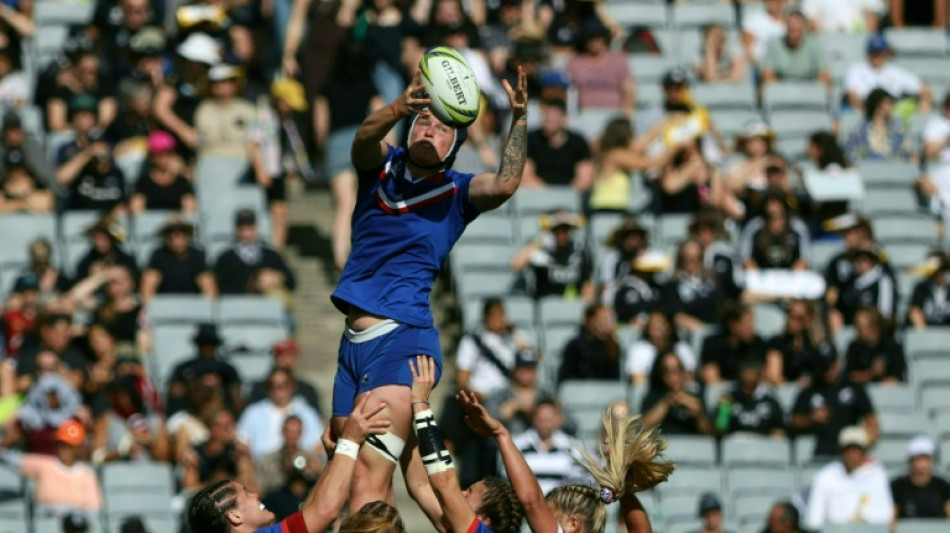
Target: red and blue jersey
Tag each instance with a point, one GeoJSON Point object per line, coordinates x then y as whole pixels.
{"type": "Point", "coordinates": [292, 524]}
{"type": "Point", "coordinates": [478, 527]}
{"type": "Point", "coordinates": [403, 229]}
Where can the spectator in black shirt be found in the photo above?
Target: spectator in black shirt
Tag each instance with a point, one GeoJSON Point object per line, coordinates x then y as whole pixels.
{"type": "Point", "coordinates": [673, 403]}
{"type": "Point", "coordinates": [85, 78]}
{"type": "Point", "coordinates": [251, 267]}
{"type": "Point", "coordinates": [777, 239]}
{"type": "Point", "coordinates": [559, 260]}
{"type": "Point", "coordinates": [855, 230]}
{"type": "Point", "coordinates": [162, 186]}
{"type": "Point", "coordinates": [829, 405]}
{"type": "Point", "coordinates": [178, 267]}
{"type": "Point", "coordinates": [693, 293]}
{"type": "Point", "coordinates": [115, 40]}
{"type": "Point", "coordinates": [874, 356]}
{"type": "Point", "coordinates": [930, 303]}
{"type": "Point", "coordinates": [109, 294]}
{"type": "Point", "coordinates": [129, 132]}
{"type": "Point", "coordinates": [14, 137]}
{"type": "Point", "coordinates": [870, 284]}
{"type": "Point", "coordinates": [55, 339]}
{"type": "Point", "coordinates": [637, 294]}
{"type": "Point", "coordinates": [920, 494]}
{"type": "Point", "coordinates": [626, 242]}
{"type": "Point", "coordinates": [594, 353]}
{"type": "Point", "coordinates": [286, 353]}
{"type": "Point", "coordinates": [719, 257]}
{"type": "Point", "coordinates": [556, 155]}
{"type": "Point", "coordinates": [790, 354]}
{"type": "Point", "coordinates": [723, 352]}
{"type": "Point", "coordinates": [783, 518]}
{"type": "Point", "coordinates": [95, 183]}
{"type": "Point", "coordinates": [210, 367]}
{"type": "Point", "coordinates": [105, 238]}
{"type": "Point", "coordinates": [750, 407]}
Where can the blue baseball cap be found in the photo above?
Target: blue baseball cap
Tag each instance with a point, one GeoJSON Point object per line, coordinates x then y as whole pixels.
{"type": "Point", "coordinates": [877, 44]}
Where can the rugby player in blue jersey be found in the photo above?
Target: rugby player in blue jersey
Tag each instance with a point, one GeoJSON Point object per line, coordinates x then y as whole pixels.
{"type": "Point", "coordinates": [411, 209]}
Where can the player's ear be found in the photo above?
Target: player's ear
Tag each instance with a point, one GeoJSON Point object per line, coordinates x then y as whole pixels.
{"type": "Point", "coordinates": [234, 517]}
{"type": "Point", "coordinates": [573, 524]}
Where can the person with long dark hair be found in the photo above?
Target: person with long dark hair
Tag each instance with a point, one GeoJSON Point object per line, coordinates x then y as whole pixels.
{"type": "Point", "coordinates": [881, 135]}
{"type": "Point", "coordinates": [791, 353]}
{"type": "Point", "coordinates": [674, 403]}
{"type": "Point", "coordinates": [824, 151]}
{"type": "Point", "coordinates": [617, 155]}
{"type": "Point", "coordinates": [659, 337]}
{"type": "Point", "coordinates": [775, 240]}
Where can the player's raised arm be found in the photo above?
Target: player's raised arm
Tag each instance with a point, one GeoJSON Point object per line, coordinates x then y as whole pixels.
{"type": "Point", "coordinates": [369, 149]}
{"type": "Point", "coordinates": [326, 499]}
{"type": "Point", "coordinates": [488, 191]}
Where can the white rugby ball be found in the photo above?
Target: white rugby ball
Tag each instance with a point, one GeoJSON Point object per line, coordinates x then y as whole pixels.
{"type": "Point", "coordinates": [451, 85]}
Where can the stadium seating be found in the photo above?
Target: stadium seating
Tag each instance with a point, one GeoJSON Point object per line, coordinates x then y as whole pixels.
{"type": "Point", "coordinates": [691, 451]}
{"type": "Point", "coordinates": [752, 481]}
{"type": "Point", "coordinates": [165, 309]}
{"type": "Point", "coordinates": [921, 526]}
{"type": "Point", "coordinates": [747, 450]}
{"type": "Point", "coordinates": [142, 478]}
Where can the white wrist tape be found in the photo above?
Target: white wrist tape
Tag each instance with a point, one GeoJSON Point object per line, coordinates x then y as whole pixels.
{"type": "Point", "coordinates": [431, 447]}
{"type": "Point", "coordinates": [347, 448]}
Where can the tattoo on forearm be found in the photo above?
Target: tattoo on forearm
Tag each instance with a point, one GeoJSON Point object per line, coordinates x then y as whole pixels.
{"type": "Point", "coordinates": [515, 154]}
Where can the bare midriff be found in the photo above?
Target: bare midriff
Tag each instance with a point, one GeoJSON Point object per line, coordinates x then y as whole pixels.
{"type": "Point", "coordinates": [359, 319]}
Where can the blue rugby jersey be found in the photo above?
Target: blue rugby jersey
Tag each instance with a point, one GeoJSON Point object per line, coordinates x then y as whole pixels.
{"type": "Point", "coordinates": [403, 229]}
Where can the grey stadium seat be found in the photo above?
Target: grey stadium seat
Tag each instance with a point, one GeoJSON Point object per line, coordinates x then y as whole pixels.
{"type": "Point", "coordinates": [251, 365]}
{"type": "Point", "coordinates": [535, 202]}
{"type": "Point", "coordinates": [804, 446]}
{"type": "Point", "coordinates": [179, 309]}
{"type": "Point", "coordinates": [931, 342]}
{"type": "Point", "coordinates": [730, 122]}
{"type": "Point", "coordinates": [926, 371]}
{"type": "Point", "coordinates": [905, 255]}
{"type": "Point", "coordinates": [590, 123]}
{"type": "Point", "coordinates": [933, 402]}
{"type": "Point", "coordinates": [138, 478]}
{"type": "Point", "coordinates": [629, 14]}
{"type": "Point", "coordinates": [725, 96]}
{"type": "Point", "coordinates": [890, 202]}
{"type": "Point", "coordinates": [253, 337]}
{"type": "Point", "coordinates": [680, 507]}
{"type": "Point", "coordinates": [489, 230]}
{"type": "Point", "coordinates": [688, 450]}
{"type": "Point", "coordinates": [891, 452]}
{"type": "Point", "coordinates": [786, 394]}
{"type": "Point", "coordinates": [917, 42]}
{"type": "Point", "coordinates": [585, 400]}
{"type": "Point", "coordinates": [905, 228]}
{"type": "Point", "coordinates": [932, 69]}
{"type": "Point", "coordinates": [755, 451]}
{"type": "Point", "coordinates": [855, 528]}
{"type": "Point", "coordinates": [921, 525]}
{"type": "Point", "coordinates": [49, 39]}
{"type": "Point", "coordinates": [232, 310]}
{"type": "Point", "coordinates": [601, 226]}
{"type": "Point", "coordinates": [560, 312]}
{"type": "Point", "coordinates": [66, 13]}
{"type": "Point", "coordinates": [692, 480]}
{"type": "Point", "coordinates": [821, 253]}
{"type": "Point", "coordinates": [170, 345]}
{"type": "Point", "coordinates": [714, 392]}
{"type": "Point", "coordinates": [213, 174]}
{"type": "Point", "coordinates": [769, 320]}
{"type": "Point", "coordinates": [520, 311]}
{"type": "Point", "coordinates": [19, 230]}
{"type": "Point", "coordinates": [749, 481]}
{"type": "Point", "coordinates": [699, 15]}
{"type": "Point", "coordinates": [793, 95]}
{"type": "Point", "coordinates": [686, 526]}
{"type": "Point", "coordinates": [125, 504]}
{"type": "Point", "coordinates": [10, 482]}
{"type": "Point", "coordinates": [903, 425]}
{"type": "Point", "coordinates": [671, 229]}
{"type": "Point", "coordinates": [944, 456]}
{"type": "Point", "coordinates": [14, 508]}
{"type": "Point", "coordinates": [649, 69]}
{"type": "Point", "coordinates": [224, 203]}
{"type": "Point", "coordinates": [798, 123]}
{"type": "Point", "coordinates": [887, 173]}
{"type": "Point", "coordinates": [754, 508]}
{"type": "Point", "coordinates": [893, 398]}
{"type": "Point", "coordinates": [477, 285]}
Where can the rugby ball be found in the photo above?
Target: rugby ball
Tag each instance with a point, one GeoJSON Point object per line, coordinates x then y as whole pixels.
{"type": "Point", "coordinates": [451, 86]}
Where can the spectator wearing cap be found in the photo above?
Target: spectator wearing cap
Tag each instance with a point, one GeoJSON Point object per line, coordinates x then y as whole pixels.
{"type": "Point", "coordinates": [844, 16]}
{"type": "Point", "coordinates": [855, 230]}
{"type": "Point", "coordinates": [558, 259]}
{"type": "Point", "coordinates": [637, 293]}
{"type": "Point", "coordinates": [784, 517]}
{"type": "Point", "coordinates": [829, 404]}
{"type": "Point", "coordinates": [251, 267]}
{"type": "Point", "coordinates": [750, 407]}
{"type": "Point", "coordinates": [144, 57]}
{"type": "Point", "coordinates": [719, 60]}
{"type": "Point", "coordinates": [791, 353]}
{"type": "Point", "coordinates": [53, 282]}
{"type": "Point", "coordinates": [710, 512]}
{"type": "Point", "coordinates": [874, 356]}
{"type": "Point", "coordinates": [133, 524]}
{"type": "Point", "coordinates": [209, 367]}
{"type": "Point", "coordinates": [881, 134]}
{"type": "Point", "coordinates": [594, 353]}
{"type": "Point", "coordinates": [74, 522]}
{"type": "Point", "coordinates": [514, 404]}
{"type": "Point", "coordinates": [274, 469]}
{"type": "Point", "coordinates": [339, 110]}
{"type": "Point", "coordinates": [87, 77]}
{"type": "Point", "coordinates": [658, 337]}
{"type": "Point", "coordinates": [116, 39]}
{"type": "Point", "coordinates": [851, 489]}
{"type": "Point", "coordinates": [879, 72]}
{"type": "Point", "coordinates": [286, 353]}
{"type": "Point", "coordinates": [719, 257]}
{"type": "Point", "coordinates": [162, 184]}
{"type": "Point", "coordinates": [674, 402]}
{"type": "Point", "coordinates": [110, 16]}
{"type": "Point", "coordinates": [870, 284]}
{"type": "Point", "coordinates": [920, 493]}
{"type": "Point", "coordinates": [797, 56]}
{"type": "Point", "coordinates": [15, 137]}
{"type": "Point", "coordinates": [679, 122]}
{"type": "Point", "coordinates": [930, 301]}
{"type": "Point", "coordinates": [178, 98]}
{"type": "Point", "coordinates": [178, 267]}
{"type": "Point", "coordinates": [486, 355]}
{"type": "Point", "coordinates": [626, 242]}
{"type": "Point", "coordinates": [277, 151]}
{"type": "Point", "coordinates": [723, 353]}
{"type": "Point", "coordinates": [223, 121]}
{"type": "Point", "coordinates": [759, 27]}
{"type": "Point", "coordinates": [692, 294]}
{"type": "Point", "coordinates": [556, 155]}
{"type": "Point", "coordinates": [600, 75]}
{"type": "Point", "coordinates": [20, 313]}
{"type": "Point", "coordinates": [14, 84]}
{"type": "Point", "coordinates": [20, 189]}
{"type": "Point", "coordinates": [129, 132]}
{"type": "Point", "coordinates": [63, 482]}
{"type": "Point", "coordinates": [260, 423]}
{"type": "Point", "coordinates": [106, 238]}
{"type": "Point", "coordinates": [547, 449]}
{"type": "Point", "coordinates": [92, 179]}
{"type": "Point", "coordinates": [777, 239]}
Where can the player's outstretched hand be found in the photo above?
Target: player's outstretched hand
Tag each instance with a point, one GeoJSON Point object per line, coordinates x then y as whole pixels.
{"type": "Point", "coordinates": [423, 378]}
{"type": "Point", "coordinates": [477, 417]}
{"type": "Point", "coordinates": [413, 99]}
{"type": "Point", "coordinates": [518, 98]}
{"type": "Point", "coordinates": [362, 422]}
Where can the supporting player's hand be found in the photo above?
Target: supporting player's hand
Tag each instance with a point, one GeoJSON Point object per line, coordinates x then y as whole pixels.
{"type": "Point", "coordinates": [413, 99]}
{"type": "Point", "coordinates": [423, 378]}
{"type": "Point", "coordinates": [477, 417]}
{"type": "Point", "coordinates": [328, 439]}
{"type": "Point", "coordinates": [518, 98]}
{"type": "Point", "coordinates": [361, 422]}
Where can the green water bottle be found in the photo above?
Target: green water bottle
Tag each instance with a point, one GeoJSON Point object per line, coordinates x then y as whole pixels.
{"type": "Point", "coordinates": [724, 414]}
